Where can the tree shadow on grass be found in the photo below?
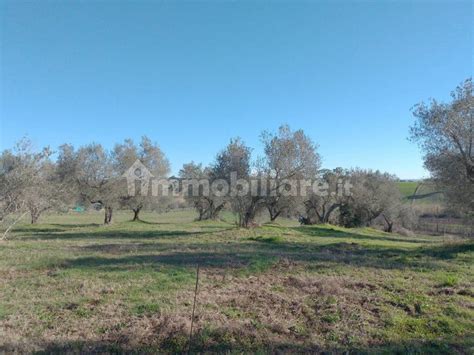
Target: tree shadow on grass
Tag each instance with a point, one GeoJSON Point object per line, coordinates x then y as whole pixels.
{"type": "Point", "coordinates": [241, 255]}
{"type": "Point", "coordinates": [210, 260]}
{"type": "Point", "coordinates": [122, 248]}
{"type": "Point", "coordinates": [76, 225]}
{"type": "Point", "coordinates": [52, 228]}
{"type": "Point", "coordinates": [110, 234]}
{"type": "Point", "coordinates": [38, 231]}
{"type": "Point", "coordinates": [118, 234]}
{"type": "Point", "coordinates": [326, 232]}
{"type": "Point", "coordinates": [141, 221]}
{"type": "Point", "coordinates": [237, 340]}
{"type": "Point", "coordinates": [446, 251]}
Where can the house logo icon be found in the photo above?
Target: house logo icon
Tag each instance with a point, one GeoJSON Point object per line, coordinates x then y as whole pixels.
{"type": "Point", "coordinates": [138, 172]}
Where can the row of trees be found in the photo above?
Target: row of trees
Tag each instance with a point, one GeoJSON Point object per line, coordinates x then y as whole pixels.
{"type": "Point", "coordinates": [444, 131]}
{"type": "Point", "coordinates": [291, 155]}
{"type": "Point", "coordinates": [31, 182]}
{"type": "Point", "coordinates": [288, 155]}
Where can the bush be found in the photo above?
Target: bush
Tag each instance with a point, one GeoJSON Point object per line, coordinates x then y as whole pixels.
{"type": "Point", "coordinates": [351, 217]}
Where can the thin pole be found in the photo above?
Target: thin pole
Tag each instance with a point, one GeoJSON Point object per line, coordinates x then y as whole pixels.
{"type": "Point", "coordinates": [194, 308]}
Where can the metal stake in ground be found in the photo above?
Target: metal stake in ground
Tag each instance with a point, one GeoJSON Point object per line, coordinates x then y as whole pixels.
{"type": "Point", "coordinates": [194, 308]}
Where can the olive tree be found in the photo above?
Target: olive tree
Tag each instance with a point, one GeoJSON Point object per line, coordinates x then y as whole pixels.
{"type": "Point", "coordinates": [12, 182]}
{"type": "Point", "coordinates": [328, 196]}
{"type": "Point", "coordinates": [23, 187]}
{"type": "Point", "coordinates": [124, 155]}
{"type": "Point", "coordinates": [90, 172]}
{"type": "Point", "coordinates": [45, 191]}
{"type": "Point", "coordinates": [232, 164]}
{"type": "Point", "coordinates": [374, 195]}
{"type": "Point", "coordinates": [445, 133]}
{"type": "Point", "coordinates": [196, 191]}
{"type": "Point", "coordinates": [289, 156]}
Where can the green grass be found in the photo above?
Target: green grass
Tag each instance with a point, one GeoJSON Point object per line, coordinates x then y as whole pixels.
{"type": "Point", "coordinates": [73, 285]}
{"type": "Point", "coordinates": [407, 188]}
{"type": "Point", "coordinates": [426, 196]}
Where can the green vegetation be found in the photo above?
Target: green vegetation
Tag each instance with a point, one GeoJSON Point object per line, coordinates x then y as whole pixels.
{"type": "Point", "coordinates": [428, 198]}
{"type": "Point", "coordinates": [73, 285]}
{"type": "Point", "coordinates": [407, 188]}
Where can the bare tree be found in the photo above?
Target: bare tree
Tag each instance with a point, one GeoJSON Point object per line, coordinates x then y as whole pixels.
{"type": "Point", "coordinates": [445, 132]}
{"type": "Point", "coordinates": [21, 173]}
{"type": "Point", "coordinates": [45, 191]}
{"type": "Point", "coordinates": [12, 181]}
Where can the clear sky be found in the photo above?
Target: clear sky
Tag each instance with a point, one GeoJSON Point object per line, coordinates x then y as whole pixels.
{"type": "Point", "coordinates": [191, 75]}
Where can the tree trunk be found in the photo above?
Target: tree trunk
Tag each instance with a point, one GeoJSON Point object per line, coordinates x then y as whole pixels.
{"type": "Point", "coordinates": [136, 212]}
{"type": "Point", "coordinates": [201, 210]}
{"type": "Point", "coordinates": [214, 211]}
{"type": "Point", "coordinates": [34, 218]}
{"type": "Point", "coordinates": [389, 228]}
{"type": "Point", "coordinates": [274, 213]}
{"type": "Point", "coordinates": [201, 214]}
{"type": "Point", "coordinates": [248, 217]}
{"type": "Point", "coordinates": [304, 221]}
{"type": "Point", "coordinates": [274, 216]}
{"type": "Point", "coordinates": [327, 214]}
{"type": "Point", "coordinates": [108, 215]}
{"type": "Point", "coordinates": [35, 214]}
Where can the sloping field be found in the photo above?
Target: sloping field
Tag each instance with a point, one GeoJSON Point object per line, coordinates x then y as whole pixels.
{"type": "Point", "coordinates": [427, 194]}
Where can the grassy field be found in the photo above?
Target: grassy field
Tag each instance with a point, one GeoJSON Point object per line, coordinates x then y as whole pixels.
{"type": "Point", "coordinates": [426, 196]}
{"type": "Point", "coordinates": [71, 284]}
{"type": "Point", "coordinates": [407, 188]}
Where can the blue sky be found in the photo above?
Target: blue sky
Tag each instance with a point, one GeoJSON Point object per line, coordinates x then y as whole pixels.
{"type": "Point", "coordinates": [191, 75]}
